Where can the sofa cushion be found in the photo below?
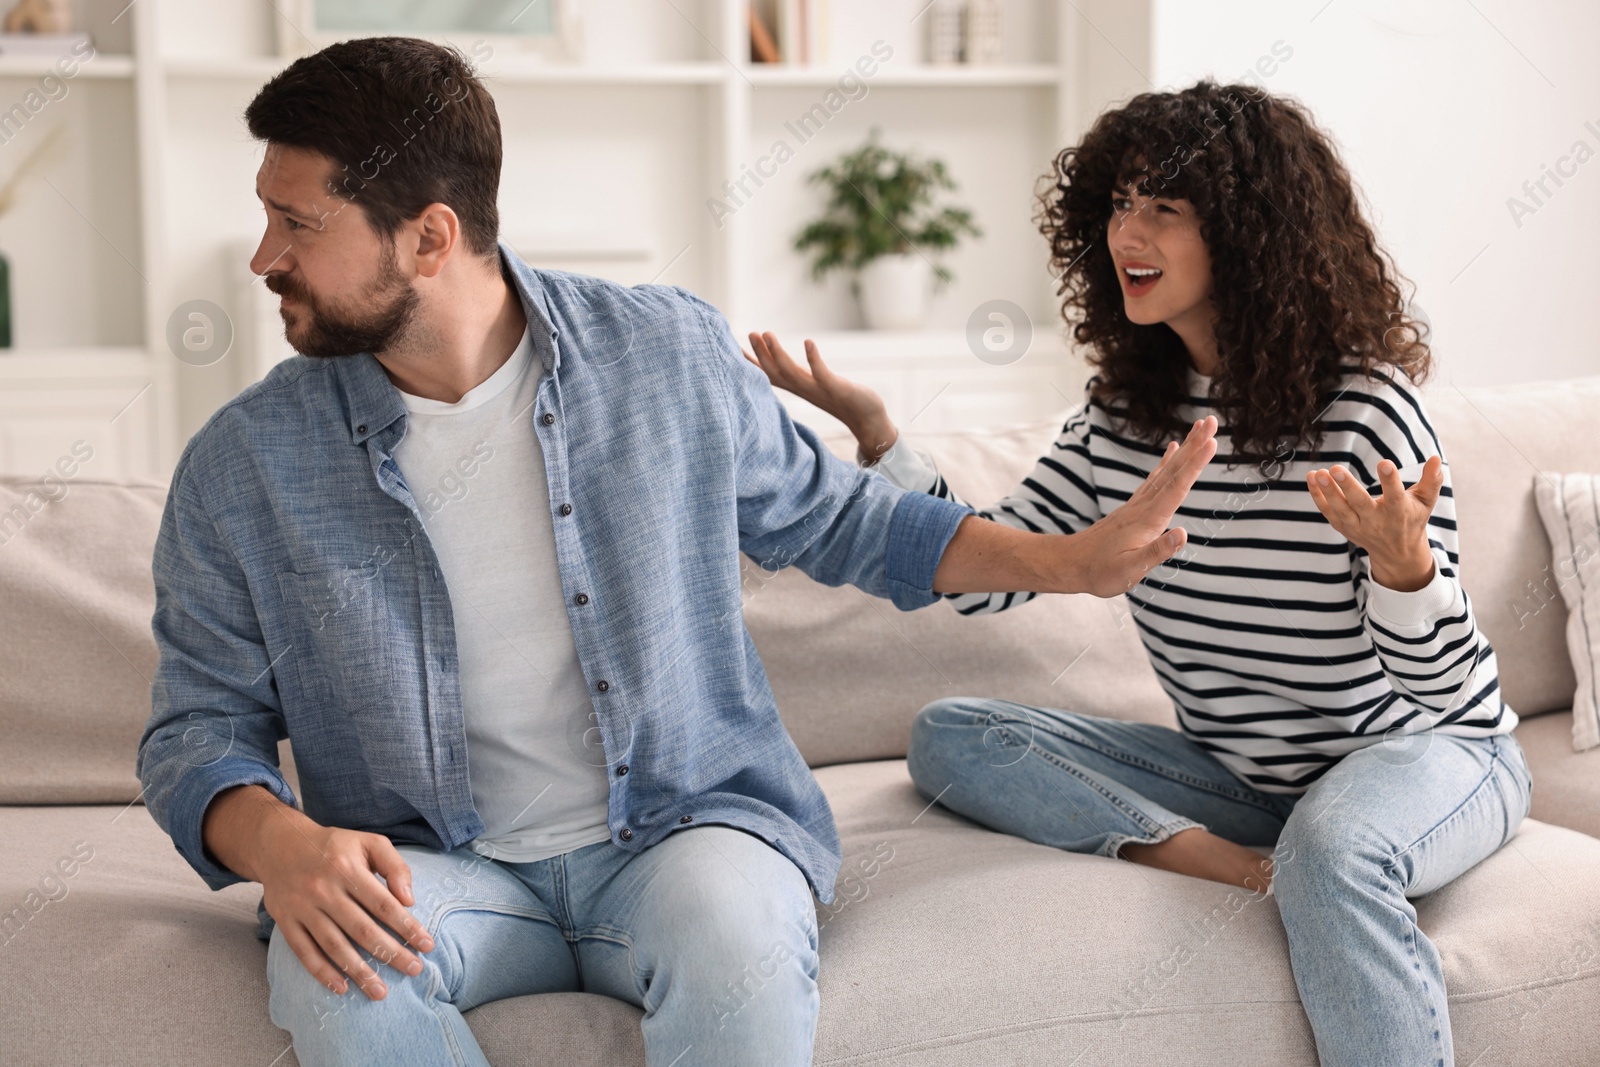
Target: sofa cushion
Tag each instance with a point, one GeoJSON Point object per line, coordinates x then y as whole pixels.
{"type": "Point", "coordinates": [76, 597]}
{"type": "Point", "coordinates": [1498, 440]}
{"type": "Point", "coordinates": [947, 944]}
{"type": "Point", "coordinates": [1569, 506]}
{"type": "Point", "coordinates": [1566, 783]}
{"type": "Point", "coordinates": [135, 961]}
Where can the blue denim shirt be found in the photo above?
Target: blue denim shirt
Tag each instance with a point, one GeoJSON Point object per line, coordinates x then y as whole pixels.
{"type": "Point", "coordinates": [297, 593]}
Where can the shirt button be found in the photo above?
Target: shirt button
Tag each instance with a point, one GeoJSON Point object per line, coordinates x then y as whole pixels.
{"type": "Point", "coordinates": [362, 428]}
{"type": "Point", "coordinates": [625, 833]}
{"type": "Point", "coordinates": [687, 818]}
{"type": "Point", "coordinates": [602, 685]}
{"type": "Point", "coordinates": [548, 419]}
{"type": "Point", "coordinates": [581, 599]}
{"type": "Point", "coordinates": [622, 770]}
{"type": "Point", "coordinates": [566, 509]}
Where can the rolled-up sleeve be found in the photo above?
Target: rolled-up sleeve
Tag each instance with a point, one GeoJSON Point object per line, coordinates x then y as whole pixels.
{"type": "Point", "coordinates": [215, 721]}
{"type": "Point", "coordinates": [800, 504]}
{"type": "Point", "coordinates": [919, 531]}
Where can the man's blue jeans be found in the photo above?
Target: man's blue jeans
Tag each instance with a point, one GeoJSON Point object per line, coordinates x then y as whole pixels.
{"type": "Point", "coordinates": [1395, 820]}
{"type": "Point", "coordinates": [712, 932]}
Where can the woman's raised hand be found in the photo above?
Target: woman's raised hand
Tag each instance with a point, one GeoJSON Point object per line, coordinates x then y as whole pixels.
{"type": "Point", "coordinates": [858, 407]}
{"type": "Point", "coordinates": [1393, 528]}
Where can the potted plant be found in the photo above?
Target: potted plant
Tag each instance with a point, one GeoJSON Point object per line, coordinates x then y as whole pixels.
{"type": "Point", "coordinates": [880, 223]}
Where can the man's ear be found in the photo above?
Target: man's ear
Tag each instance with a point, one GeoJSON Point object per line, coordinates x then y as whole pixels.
{"type": "Point", "coordinates": [437, 234]}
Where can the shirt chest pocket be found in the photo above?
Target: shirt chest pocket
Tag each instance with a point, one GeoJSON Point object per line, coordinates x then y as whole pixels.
{"type": "Point", "coordinates": [346, 639]}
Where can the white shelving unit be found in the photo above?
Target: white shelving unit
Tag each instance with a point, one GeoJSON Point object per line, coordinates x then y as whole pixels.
{"type": "Point", "coordinates": [85, 274]}
{"type": "Point", "coordinates": [611, 167]}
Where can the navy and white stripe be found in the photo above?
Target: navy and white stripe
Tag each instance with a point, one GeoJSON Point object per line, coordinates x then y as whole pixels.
{"type": "Point", "coordinates": [1279, 651]}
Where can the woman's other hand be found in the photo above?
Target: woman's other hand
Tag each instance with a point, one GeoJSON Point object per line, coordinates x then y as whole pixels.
{"type": "Point", "coordinates": [1393, 528]}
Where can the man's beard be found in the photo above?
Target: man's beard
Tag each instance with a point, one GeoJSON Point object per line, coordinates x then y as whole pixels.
{"type": "Point", "coordinates": [325, 332]}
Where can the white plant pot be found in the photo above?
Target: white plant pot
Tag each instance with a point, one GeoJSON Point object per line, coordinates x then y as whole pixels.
{"type": "Point", "coordinates": [895, 292]}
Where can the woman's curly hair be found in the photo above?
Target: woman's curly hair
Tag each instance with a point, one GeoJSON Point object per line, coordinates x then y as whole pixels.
{"type": "Point", "coordinates": [1303, 294]}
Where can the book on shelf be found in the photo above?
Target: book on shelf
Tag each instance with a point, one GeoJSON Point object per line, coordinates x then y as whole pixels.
{"type": "Point", "coordinates": [763, 47]}
{"type": "Point", "coordinates": [793, 32]}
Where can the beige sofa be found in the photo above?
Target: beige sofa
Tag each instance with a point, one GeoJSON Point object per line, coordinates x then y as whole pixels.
{"type": "Point", "coordinates": [948, 944]}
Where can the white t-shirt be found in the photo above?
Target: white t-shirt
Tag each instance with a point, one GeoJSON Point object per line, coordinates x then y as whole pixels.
{"type": "Point", "coordinates": [477, 473]}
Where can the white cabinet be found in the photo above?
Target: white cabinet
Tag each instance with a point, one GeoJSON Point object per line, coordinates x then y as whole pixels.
{"type": "Point", "coordinates": [97, 406]}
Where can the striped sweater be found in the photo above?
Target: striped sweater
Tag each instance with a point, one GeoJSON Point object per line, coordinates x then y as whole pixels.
{"type": "Point", "coordinates": [1278, 649]}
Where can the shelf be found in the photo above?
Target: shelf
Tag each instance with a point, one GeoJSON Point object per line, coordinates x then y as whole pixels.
{"type": "Point", "coordinates": [261, 68]}
{"type": "Point", "coordinates": [925, 77]}
{"type": "Point", "coordinates": [101, 66]}
{"type": "Point", "coordinates": [93, 359]}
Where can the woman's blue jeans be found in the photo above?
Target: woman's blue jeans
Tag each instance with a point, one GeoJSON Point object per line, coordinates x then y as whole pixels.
{"type": "Point", "coordinates": [1390, 822]}
{"type": "Point", "coordinates": [712, 932]}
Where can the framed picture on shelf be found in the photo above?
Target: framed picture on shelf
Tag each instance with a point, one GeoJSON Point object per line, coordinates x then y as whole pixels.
{"type": "Point", "coordinates": [546, 30]}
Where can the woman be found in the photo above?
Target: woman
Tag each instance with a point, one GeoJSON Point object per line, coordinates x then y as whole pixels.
{"type": "Point", "coordinates": [1313, 636]}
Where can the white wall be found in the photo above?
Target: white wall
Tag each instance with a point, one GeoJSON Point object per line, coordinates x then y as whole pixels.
{"type": "Point", "coordinates": [1443, 109]}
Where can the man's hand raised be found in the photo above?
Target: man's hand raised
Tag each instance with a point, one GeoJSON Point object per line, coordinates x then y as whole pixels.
{"type": "Point", "coordinates": [1107, 559]}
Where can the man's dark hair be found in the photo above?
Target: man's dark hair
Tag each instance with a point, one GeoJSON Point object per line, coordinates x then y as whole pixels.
{"type": "Point", "coordinates": [406, 123]}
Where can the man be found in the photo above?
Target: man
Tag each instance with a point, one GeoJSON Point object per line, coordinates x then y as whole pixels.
{"type": "Point", "coordinates": [495, 521]}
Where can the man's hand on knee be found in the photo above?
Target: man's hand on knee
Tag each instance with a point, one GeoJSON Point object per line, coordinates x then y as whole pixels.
{"type": "Point", "coordinates": [321, 885]}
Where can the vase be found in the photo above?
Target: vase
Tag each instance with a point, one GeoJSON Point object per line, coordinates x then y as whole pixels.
{"type": "Point", "coordinates": [5, 302]}
{"type": "Point", "coordinates": [894, 292]}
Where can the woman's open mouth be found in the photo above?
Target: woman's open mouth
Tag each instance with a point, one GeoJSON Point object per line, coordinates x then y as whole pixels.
{"type": "Point", "coordinates": [1140, 280]}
